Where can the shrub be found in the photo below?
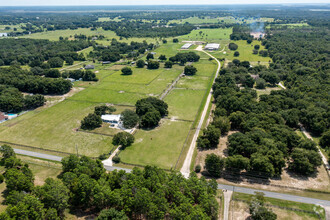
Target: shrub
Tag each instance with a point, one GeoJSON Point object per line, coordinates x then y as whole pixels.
{"type": "Point", "coordinates": [175, 40]}
{"type": "Point", "coordinates": [103, 156]}
{"type": "Point", "coordinates": [168, 64]}
{"type": "Point", "coordinates": [140, 64]}
{"type": "Point", "coordinates": [232, 46]}
{"type": "Point", "coordinates": [198, 168]}
{"type": "Point", "coordinates": [129, 118]}
{"type": "Point", "coordinates": [190, 70]}
{"type": "Point", "coordinates": [236, 54]}
{"type": "Point", "coordinates": [116, 159]}
{"type": "Point", "coordinates": [126, 71]}
{"type": "Point", "coordinates": [153, 65]}
{"type": "Point", "coordinates": [1, 178]}
{"type": "Point", "coordinates": [123, 138]}
{"type": "Point", "coordinates": [91, 121]}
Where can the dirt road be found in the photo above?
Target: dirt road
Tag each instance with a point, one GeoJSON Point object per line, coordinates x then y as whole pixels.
{"type": "Point", "coordinates": [185, 170]}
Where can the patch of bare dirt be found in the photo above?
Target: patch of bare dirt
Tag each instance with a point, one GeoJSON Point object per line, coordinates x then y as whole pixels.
{"type": "Point", "coordinates": [238, 210]}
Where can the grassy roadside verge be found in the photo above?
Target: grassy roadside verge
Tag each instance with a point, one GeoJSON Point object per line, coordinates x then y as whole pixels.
{"type": "Point", "coordinates": [294, 206]}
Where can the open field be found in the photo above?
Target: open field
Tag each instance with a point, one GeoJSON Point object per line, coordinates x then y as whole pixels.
{"type": "Point", "coordinates": [160, 146]}
{"type": "Point", "coordinates": [184, 103]}
{"type": "Point", "coordinates": [245, 50]}
{"type": "Point", "coordinates": [207, 35]}
{"type": "Point", "coordinates": [54, 35]}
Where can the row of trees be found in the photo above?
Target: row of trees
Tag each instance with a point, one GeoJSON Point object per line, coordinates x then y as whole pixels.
{"type": "Point", "coordinates": [26, 81]}
{"type": "Point", "coordinates": [36, 52]}
{"type": "Point", "coordinates": [12, 100]}
{"type": "Point", "coordinates": [85, 185]}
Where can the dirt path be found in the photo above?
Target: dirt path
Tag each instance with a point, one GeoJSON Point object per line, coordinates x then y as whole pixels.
{"type": "Point", "coordinates": [167, 91]}
{"type": "Point", "coordinates": [185, 170]}
{"type": "Point", "coordinates": [324, 159]}
{"type": "Point", "coordinates": [227, 197]}
{"type": "Point", "coordinates": [72, 66]}
{"type": "Point", "coordinates": [108, 162]}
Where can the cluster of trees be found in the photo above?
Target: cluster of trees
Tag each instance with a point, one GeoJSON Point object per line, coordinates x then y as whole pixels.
{"type": "Point", "coordinates": [26, 201]}
{"type": "Point", "coordinates": [150, 110]}
{"type": "Point", "coordinates": [190, 70]}
{"type": "Point", "coordinates": [86, 186]}
{"type": "Point", "coordinates": [183, 58]}
{"type": "Point", "coordinates": [258, 210]}
{"type": "Point", "coordinates": [35, 52]}
{"type": "Point", "coordinates": [26, 81]}
{"type": "Point", "coordinates": [266, 140]}
{"type": "Point", "coordinates": [116, 49]}
{"type": "Point", "coordinates": [93, 120]}
{"type": "Point", "coordinates": [12, 100]}
{"type": "Point", "coordinates": [129, 29]}
{"type": "Point", "coordinates": [241, 32]}
{"type": "Point", "coordinates": [85, 75]}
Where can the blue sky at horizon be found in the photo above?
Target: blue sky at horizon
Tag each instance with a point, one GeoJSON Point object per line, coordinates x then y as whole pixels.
{"type": "Point", "coordinates": [148, 2]}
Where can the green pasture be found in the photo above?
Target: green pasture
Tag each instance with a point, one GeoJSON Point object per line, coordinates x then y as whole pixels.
{"type": "Point", "coordinates": [245, 50]}
{"type": "Point", "coordinates": [184, 103]}
{"type": "Point", "coordinates": [18, 26]}
{"type": "Point", "coordinates": [160, 146]}
{"type": "Point", "coordinates": [194, 82]}
{"type": "Point", "coordinates": [53, 128]}
{"type": "Point", "coordinates": [207, 35]}
{"type": "Point", "coordinates": [54, 35]}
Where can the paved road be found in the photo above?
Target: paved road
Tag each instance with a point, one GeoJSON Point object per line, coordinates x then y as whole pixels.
{"type": "Point", "coordinates": [185, 170]}
{"type": "Point", "coordinates": [38, 155]}
{"type": "Point", "coordinates": [276, 195]}
{"type": "Point", "coordinates": [220, 186]}
{"type": "Point", "coordinates": [59, 159]}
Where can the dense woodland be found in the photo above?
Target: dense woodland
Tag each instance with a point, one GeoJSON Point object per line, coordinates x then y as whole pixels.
{"type": "Point", "coordinates": [85, 186]}
{"type": "Point", "coordinates": [266, 141]}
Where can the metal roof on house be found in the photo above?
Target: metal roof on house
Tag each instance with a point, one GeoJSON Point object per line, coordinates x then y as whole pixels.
{"type": "Point", "coordinates": [110, 117]}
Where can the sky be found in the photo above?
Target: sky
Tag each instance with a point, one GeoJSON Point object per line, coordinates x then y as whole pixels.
{"type": "Point", "coordinates": [147, 2]}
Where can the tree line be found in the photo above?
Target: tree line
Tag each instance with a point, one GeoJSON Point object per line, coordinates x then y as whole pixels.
{"type": "Point", "coordinates": [85, 186]}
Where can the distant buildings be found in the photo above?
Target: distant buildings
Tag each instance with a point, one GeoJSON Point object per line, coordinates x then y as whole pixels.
{"type": "Point", "coordinates": [186, 46]}
{"type": "Point", "coordinates": [212, 46]}
{"type": "Point", "coordinates": [3, 35]}
{"type": "Point", "coordinates": [89, 67]}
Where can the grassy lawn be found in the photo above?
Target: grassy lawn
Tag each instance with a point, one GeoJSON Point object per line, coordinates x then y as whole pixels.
{"type": "Point", "coordinates": [160, 146]}
{"type": "Point", "coordinates": [193, 82]}
{"type": "Point", "coordinates": [184, 103]}
{"type": "Point", "coordinates": [245, 50]}
{"type": "Point", "coordinates": [207, 35]}
{"type": "Point", "coordinates": [53, 128]}
{"type": "Point", "coordinates": [54, 35]}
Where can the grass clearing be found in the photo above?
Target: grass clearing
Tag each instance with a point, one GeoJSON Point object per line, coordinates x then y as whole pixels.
{"type": "Point", "coordinates": [154, 148]}
{"type": "Point", "coordinates": [184, 103]}
{"type": "Point", "coordinates": [206, 34]}
{"type": "Point", "coordinates": [246, 52]}
{"type": "Point", "coordinates": [193, 82]}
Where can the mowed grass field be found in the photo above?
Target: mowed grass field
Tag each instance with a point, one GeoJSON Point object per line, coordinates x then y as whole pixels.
{"type": "Point", "coordinates": [54, 35]}
{"type": "Point", "coordinates": [54, 128]}
{"type": "Point", "coordinates": [245, 53]}
{"type": "Point", "coordinates": [207, 35]}
{"type": "Point", "coordinates": [160, 146]}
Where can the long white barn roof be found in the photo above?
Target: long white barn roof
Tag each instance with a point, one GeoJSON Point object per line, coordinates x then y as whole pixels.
{"type": "Point", "coordinates": [110, 117]}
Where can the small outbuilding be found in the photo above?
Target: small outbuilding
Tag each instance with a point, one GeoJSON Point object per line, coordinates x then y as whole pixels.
{"type": "Point", "coordinates": [3, 35]}
{"type": "Point", "coordinates": [212, 46]}
{"type": "Point", "coordinates": [89, 67]}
